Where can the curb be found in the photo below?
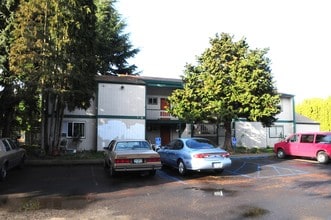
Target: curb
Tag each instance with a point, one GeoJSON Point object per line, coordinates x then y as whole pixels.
{"type": "Point", "coordinates": [252, 156]}
{"type": "Point", "coordinates": [62, 162]}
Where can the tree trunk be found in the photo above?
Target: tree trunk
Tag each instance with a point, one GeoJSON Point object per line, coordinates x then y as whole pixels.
{"type": "Point", "coordinates": [227, 140]}
{"type": "Point", "coordinates": [55, 126]}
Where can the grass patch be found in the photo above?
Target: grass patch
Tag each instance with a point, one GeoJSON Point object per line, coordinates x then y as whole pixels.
{"type": "Point", "coordinates": [253, 150]}
{"type": "Point", "coordinates": [35, 152]}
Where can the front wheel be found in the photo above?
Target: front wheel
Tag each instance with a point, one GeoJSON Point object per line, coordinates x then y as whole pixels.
{"type": "Point", "coordinates": [182, 168]}
{"type": "Point", "coordinates": [3, 172]}
{"type": "Point", "coordinates": [280, 154]}
{"type": "Point", "coordinates": [322, 157]}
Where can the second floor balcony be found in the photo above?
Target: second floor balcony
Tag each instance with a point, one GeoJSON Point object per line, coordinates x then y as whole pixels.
{"type": "Point", "coordinates": [157, 114]}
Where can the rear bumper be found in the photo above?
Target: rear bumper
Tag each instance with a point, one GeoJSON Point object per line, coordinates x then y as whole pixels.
{"type": "Point", "coordinates": [137, 168]}
{"type": "Point", "coordinates": [208, 164]}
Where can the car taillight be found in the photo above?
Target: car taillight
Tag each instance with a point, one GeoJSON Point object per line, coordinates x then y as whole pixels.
{"type": "Point", "coordinates": [205, 155]}
{"type": "Point", "coordinates": [122, 160]}
{"type": "Point", "coordinates": [225, 154]}
{"type": "Point", "coordinates": [201, 155]}
{"type": "Point", "coordinates": [156, 159]}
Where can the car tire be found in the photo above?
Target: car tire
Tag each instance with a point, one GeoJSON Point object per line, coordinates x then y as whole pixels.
{"type": "Point", "coordinates": [105, 165]}
{"type": "Point", "coordinates": [152, 173]}
{"type": "Point", "coordinates": [112, 172]}
{"type": "Point", "coordinates": [218, 171]}
{"type": "Point", "coordinates": [322, 157]}
{"type": "Point", "coordinates": [3, 172]}
{"type": "Point", "coordinates": [280, 154]}
{"type": "Point", "coordinates": [182, 168]}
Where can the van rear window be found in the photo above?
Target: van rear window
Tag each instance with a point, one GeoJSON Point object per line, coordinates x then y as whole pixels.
{"type": "Point", "coordinates": [321, 138]}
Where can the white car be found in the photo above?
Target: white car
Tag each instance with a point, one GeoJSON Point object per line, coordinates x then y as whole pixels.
{"type": "Point", "coordinates": [196, 154]}
{"type": "Point", "coordinates": [11, 155]}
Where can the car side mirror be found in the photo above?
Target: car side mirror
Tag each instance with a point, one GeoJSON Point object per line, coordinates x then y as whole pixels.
{"type": "Point", "coordinates": [106, 148]}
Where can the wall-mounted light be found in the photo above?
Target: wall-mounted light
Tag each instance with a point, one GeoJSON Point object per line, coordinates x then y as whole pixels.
{"type": "Point", "coordinates": [122, 87]}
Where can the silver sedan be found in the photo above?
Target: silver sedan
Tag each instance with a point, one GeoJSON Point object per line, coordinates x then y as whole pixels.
{"type": "Point", "coordinates": [196, 154]}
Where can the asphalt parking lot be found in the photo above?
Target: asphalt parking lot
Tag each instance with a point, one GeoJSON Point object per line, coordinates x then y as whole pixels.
{"type": "Point", "coordinates": [252, 188]}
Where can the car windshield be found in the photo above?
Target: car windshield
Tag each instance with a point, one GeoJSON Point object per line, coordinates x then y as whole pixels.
{"type": "Point", "coordinates": [132, 145]}
{"type": "Point", "coordinates": [199, 144]}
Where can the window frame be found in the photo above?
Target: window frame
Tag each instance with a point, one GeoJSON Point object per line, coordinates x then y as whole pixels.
{"type": "Point", "coordinates": [152, 101]}
{"type": "Point", "coordinates": [274, 133]}
{"type": "Point", "coordinates": [71, 129]}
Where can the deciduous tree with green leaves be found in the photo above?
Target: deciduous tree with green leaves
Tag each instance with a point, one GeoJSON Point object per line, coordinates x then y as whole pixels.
{"type": "Point", "coordinates": [317, 109]}
{"type": "Point", "coordinates": [230, 81]}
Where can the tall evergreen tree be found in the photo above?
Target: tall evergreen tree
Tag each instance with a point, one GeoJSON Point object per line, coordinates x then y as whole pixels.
{"type": "Point", "coordinates": [53, 53]}
{"type": "Point", "coordinates": [229, 82]}
{"type": "Point", "coordinates": [10, 93]}
{"type": "Point", "coordinates": [113, 47]}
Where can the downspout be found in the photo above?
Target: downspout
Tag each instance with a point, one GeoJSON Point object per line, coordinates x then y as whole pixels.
{"type": "Point", "coordinates": [294, 121]}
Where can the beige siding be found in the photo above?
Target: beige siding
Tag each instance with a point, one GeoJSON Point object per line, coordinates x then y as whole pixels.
{"type": "Point", "coordinates": [121, 100]}
{"type": "Point", "coordinates": [109, 129]}
{"type": "Point", "coordinates": [86, 143]}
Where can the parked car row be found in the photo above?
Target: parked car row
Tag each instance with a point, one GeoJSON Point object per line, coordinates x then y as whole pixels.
{"type": "Point", "coordinates": [200, 154]}
{"type": "Point", "coordinates": [184, 154]}
{"type": "Point", "coordinates": [11, 155]}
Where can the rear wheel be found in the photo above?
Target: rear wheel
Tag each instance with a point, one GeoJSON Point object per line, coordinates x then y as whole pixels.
{"type": "Point", "coordinates": [181, 168]}
{"type": "Point", "coordinates": [152, 173]}
{"type": "Point", "coordinates": [280, 154]}
{"type": "Point", "coordinates": [322, 157]}
{"type": "Point", "coordinates": [219, 171]}
{"type": "Point", "coordinates": [112, 172]}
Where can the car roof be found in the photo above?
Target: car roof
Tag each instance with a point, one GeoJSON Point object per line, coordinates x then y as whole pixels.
{"type": "Point", "coordinates": [122, 140]}
{"type": "Point", "coordinates": [192, 138]}
{"type": "Point", "coordinates": [317, 132]}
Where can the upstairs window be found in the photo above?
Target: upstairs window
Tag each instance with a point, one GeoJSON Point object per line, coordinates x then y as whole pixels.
{"type": "Point", "coordinates": [152, 101]}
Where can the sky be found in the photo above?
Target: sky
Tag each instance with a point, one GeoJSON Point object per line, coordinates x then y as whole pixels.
{"type": "Point", "coordinates": [172, 33]}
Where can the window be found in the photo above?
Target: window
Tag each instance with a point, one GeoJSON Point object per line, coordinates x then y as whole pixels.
{"type": "Point", "coordinates": [276, 132]}
{"type": "Point", "coordinates": [323, 138]}
{"type": "Point", "coordinates": [307, 138]}
{"type": "Point", "coordinates": [7, 146]}
{"type": "Point", "coordinates": [76, 130]}
{"type": "Point", "coordinates": [152, 101]}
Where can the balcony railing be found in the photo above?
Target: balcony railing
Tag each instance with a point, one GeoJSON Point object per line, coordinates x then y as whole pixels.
{"type": "Point", "coordinates": [156, 114]}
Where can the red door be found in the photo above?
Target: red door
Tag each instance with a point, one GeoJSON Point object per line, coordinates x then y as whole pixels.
{"type": "Point", "coordinates": [165, 135]}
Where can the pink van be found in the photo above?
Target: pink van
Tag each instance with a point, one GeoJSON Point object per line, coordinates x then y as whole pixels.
{"type": "Point", "coordinates": [315, 145]}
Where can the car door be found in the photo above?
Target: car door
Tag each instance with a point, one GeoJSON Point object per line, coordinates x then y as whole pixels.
{"type": "Point", "coordinates": [8, 154]}
{"type": "Point", "coordinates": [291, 146]}
{"type": "Point", "coordinates": [165, 153]}
{"type": "Point", "coordinates": [174, 153]}
{"type": "Point", "coordinates": [15, 153]}
{"type": "Point", "coordinates": [306, 146]}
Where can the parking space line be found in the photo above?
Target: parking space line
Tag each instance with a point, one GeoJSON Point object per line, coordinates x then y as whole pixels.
{"type": "Point", "coordinates": [164, 175]}
{"type": "Point", "coordinates": [280, 171]}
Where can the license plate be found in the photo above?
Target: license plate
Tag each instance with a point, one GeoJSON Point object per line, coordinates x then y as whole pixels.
{"type": "Point", "coordinates": [137, 160]}
{"type": "Point", "coordinates": [217, 165]}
